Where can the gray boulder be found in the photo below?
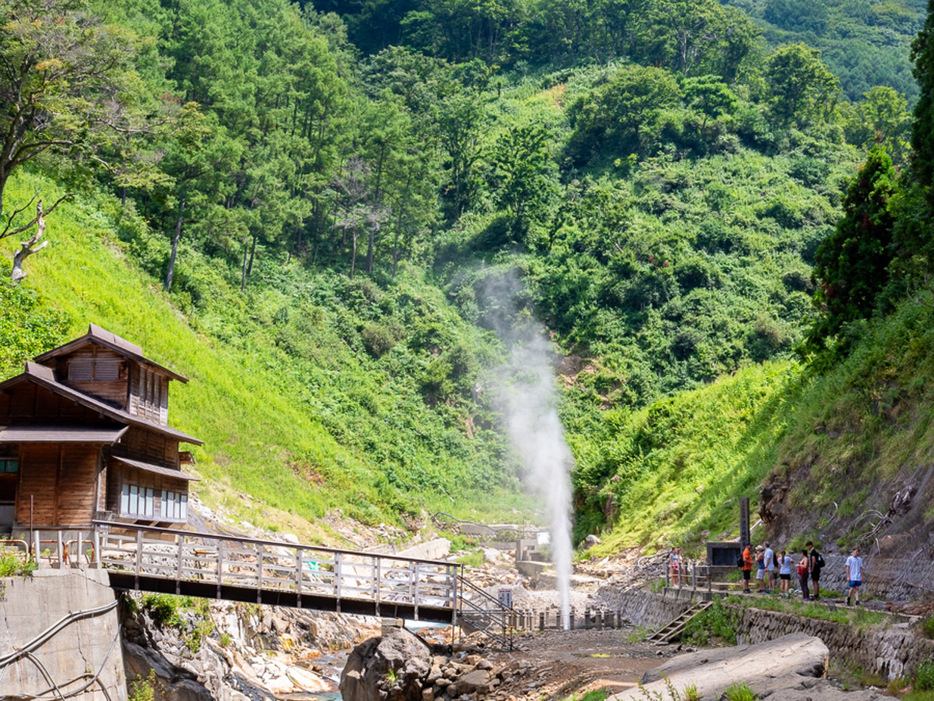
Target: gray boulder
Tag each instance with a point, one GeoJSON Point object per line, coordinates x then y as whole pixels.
{"type": "Point", "coordinates": [790, 668]}
{"type": "Point", "coordinates": [391, 668]}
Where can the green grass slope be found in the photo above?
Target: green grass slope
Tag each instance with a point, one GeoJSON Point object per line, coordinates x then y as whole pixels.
{"type": "Point", "coordinates": [285, 389]}
{"type": "Point", "coordinates": [843, 457]}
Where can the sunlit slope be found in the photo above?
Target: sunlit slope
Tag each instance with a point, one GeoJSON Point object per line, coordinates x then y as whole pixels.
{"type": "Point", "coordinates": [246, 398]}
{"type": "Point", "coordinates": [672, 473]}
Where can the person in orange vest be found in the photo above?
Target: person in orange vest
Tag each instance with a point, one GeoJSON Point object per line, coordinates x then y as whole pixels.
{"type": "Point", "coordinates": [747, 568]}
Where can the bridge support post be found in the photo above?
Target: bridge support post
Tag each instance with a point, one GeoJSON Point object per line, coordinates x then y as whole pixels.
{"type": "Point", "coordinates": [298, 577]}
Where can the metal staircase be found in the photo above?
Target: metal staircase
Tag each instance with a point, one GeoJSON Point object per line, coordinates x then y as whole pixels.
{"type": "Point", "coordinates": [479, 611]}
{"type": "Point", "coordinates": [675, 628]}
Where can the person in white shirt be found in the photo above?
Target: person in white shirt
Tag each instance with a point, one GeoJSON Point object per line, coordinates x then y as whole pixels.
{"type": "Point", "coordinates": [854, 575]}
{"type": "Point", "coordinates": [768, 558]}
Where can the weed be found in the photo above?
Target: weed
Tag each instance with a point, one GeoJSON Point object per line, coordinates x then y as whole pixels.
{"type": "Point", "coordinates": [716, 622]}
{"type": "Point", "coordinates": [671, 693]}
{"type": "Point", "coordinates": [924, 676]}
{"type": "Point", "coordinates": [14, 564]}
{"type": "Point", "coordinates": [927, 626]}
{"type": "Point", "coordinates": [225, 639]}
{"type": "Point", "coordinates": [638, 635]}
{"type": "Point", "coordinates": [143, 688]}
{"type": "Point", "coordinates": [740, 692]}
{"type": "Point", "coordinates": [471, 559]}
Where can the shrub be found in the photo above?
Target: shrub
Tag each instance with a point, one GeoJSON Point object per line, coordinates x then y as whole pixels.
{"type": "Point", "coordinates": [927, 627]}
{"type": "Point", "coordinates": [13, 564]}
{"type": "Point", "coordinates": [377, 340]}
{"type": "Point", "coordinates": [924, 676]}
{"type": "Point", "coordinates": [716, 622]}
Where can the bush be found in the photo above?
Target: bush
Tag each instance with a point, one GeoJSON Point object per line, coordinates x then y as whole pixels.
{"type": "Point", "coordinates": [377, 340]}
{"type": "Point", "coordinates": [716, 622]}
{"type": "Point", "coordinates": [924, 676]}
{"type": "Point", "coordinates": [13, 564]}
{"type": "Point", "coordinates": [927, 627]}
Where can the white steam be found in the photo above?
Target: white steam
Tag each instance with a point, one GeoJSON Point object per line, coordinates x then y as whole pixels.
{"type": "Point", "coordinates": [528, 397]}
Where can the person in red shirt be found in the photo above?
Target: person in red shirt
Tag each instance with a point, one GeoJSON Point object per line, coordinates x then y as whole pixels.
{"type": "Point", "coordinates": [747, 568]}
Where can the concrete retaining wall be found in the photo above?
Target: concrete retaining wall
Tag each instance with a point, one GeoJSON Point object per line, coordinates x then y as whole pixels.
{"type": "Point", "coordinates": [891, 651]}
{"type": "Point", "coordinates": [31, 605]}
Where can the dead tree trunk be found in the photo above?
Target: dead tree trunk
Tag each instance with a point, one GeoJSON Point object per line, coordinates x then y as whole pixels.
{"type": "Point", "coordinates": [27, 248]}
{"type": "Point", "coordinates": [178, 235]}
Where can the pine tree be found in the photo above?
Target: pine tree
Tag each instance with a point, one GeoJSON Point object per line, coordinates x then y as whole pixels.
{"type": "Point", "coordinates": [852, 263]}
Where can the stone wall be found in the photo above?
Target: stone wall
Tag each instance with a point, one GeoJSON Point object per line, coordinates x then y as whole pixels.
{"type": "Point", "coordinates": [893, 579]}
{"type": "Point", "coordinates": [30, 606]}
{"type": "Point", "coordinates": [890, 652]}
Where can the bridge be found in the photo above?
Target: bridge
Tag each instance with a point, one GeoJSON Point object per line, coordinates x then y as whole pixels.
{"type": "Point", "coordinates": [278, 573]}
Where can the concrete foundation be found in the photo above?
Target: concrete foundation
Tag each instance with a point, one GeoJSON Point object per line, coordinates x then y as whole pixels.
{"type": "Point", "coordinates": [81, 651]}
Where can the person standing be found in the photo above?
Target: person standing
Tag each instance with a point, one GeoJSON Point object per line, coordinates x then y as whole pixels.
{"type": "Point", "coordinates": [784, 571]}
{"type": "Point", "coordinates": [803, 566]}
{"type": "Point", "coordinates": [747, 568]}
{"type": "Point", "coordinates": [760, 570]}
{"type": "Point", "coordinates": [768, 558]}
{"type": "Point", "coordinates": [816, 565]}
{"type": "Point", "coordinates": [674, 563]}
{"type": "Point", "coordinates": [854, 576]}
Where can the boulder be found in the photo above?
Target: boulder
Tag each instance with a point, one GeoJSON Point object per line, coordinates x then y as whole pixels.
{"type": "Point", "coordinates": [790, 668]}
{"type": "Point", "coordinates": [472, 683]}
{"type": "Point", "coordinates": [391, 667]}
{"type": "Point", "coordinates": [590, 541]}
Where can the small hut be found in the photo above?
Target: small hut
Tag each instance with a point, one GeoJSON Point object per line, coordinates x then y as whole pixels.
{"type": "Point", "coordinates": [84, 436]}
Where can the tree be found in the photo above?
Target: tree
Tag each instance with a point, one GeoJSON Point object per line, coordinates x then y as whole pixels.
{"type": "Point", "coordinates": [881, 116]}
{"type": "Point", "coordinates": [852, 263]}
{"type": "Point", "coordinates": [801, 88]}
{"type": "Point", "coordinates": [922, 55]}
{"type": "Point", "coordinates": [523, 177]}
{"type": "Point", "coordinates": [63, 79]}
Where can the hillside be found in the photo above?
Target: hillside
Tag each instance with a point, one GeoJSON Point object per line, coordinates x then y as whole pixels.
{"type": "Point", "coordinates": [310, 213]}
{"type": "Point", "coordinates": [293, 409]}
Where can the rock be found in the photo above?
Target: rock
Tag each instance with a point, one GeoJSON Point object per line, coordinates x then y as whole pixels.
{"type": "Point", "coordinates": [392, 667]}
{"type": "Point", "coordinates": [484, 664]}
{"type": "Point", "coordinates": [590, 541]}
{"type": "Point", "coordinates": [475, 682]}
{"type": "Point", "coordinates": [777, 669]}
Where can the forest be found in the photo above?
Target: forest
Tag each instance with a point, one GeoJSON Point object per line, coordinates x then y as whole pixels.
{"type": "Point", "coordinates": [688, 190]}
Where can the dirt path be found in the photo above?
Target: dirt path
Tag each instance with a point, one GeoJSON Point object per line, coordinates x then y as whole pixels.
{"type": "Point", "coordinates": [554, 664]}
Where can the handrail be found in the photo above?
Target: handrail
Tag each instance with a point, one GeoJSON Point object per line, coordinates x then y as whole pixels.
{"type": "Point", "coordinates": [260, 541]}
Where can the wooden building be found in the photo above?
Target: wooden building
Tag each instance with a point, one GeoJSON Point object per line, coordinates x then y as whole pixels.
{"type": "Point", "coordinates": [84, 435]}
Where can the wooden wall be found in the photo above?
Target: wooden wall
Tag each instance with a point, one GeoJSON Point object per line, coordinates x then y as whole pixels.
{"type": "Point", "coordinates": [98, 372]}
{"type": "Point", "coordinates": [30, 401]}
{"type": "Point", "coordinates": [62, 480]}
{"type": "Point", "coordinates": [148, 446]}
{"type": "Point", "coordinates": [149, 395]}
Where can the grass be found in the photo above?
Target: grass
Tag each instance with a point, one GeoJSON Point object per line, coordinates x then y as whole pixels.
{"type": "Point", "coordinates": [290, 435]}
{"type": "Point", "coordinates": [678, 465]}
{"type": "Point", "coordinates": [857, 617]}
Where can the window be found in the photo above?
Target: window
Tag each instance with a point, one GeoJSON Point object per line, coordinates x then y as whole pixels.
{"type": "Point", "coordinates": [8, 466]}
{"type": "Point", "coordinates": [136, 500]}
{"type": "Point", "coordinates": [103, 369]}
{"type": "Point", "coordinates": [174, 506]}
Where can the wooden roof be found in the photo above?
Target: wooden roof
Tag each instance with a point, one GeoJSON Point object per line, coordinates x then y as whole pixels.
{"type": "Point", "coordinates": [105, 338]}
{"type": "Point", "coordinates": [44, 377]}
{"type": "Point", "coordinates": [61, 434]}
{"type": "Point", "coordinates": [156, 469]}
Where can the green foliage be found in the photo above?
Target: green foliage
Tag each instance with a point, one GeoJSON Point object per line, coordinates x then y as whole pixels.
{"type": "Point", "coordinates": [715, 624]}
{"type": "Point", "coordinates": [927, 627]}
{"type": "Point", "coordinates": [852, 263]}
{"type": "Point", "coordinates": [740, 691]}
{"type": "Point", "coordinates": [165, 608]}
{"type": "Point", "coordinates": [16, 565]}
{"type": "Point", "coordinates": [801, 88]}
{"type": "Point", "coordinates": [143, 688]}
{"type": "Point", "coordinates": [924, 676]}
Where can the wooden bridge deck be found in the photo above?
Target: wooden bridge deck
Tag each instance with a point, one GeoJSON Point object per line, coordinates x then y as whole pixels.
{"type": "Point", "coordinates": [266, 572]}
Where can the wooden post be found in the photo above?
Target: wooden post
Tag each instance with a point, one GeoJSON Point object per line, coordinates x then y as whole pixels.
{"type": "Point", "coordinates": [178, 570]}
{"type": "Point", "coordinates": [667, 577]}
{"type": "Point", "coordinates": [337, 579]}
{"type": "Point", "coordinates": [139, 557]}
{"type": "Point", "coordinates": [298, 577]}
{"type": "Point", "coordinates": [259, 573]}
{"type": "Point", "coordinates": [694, 576]}
{"type": "Point", "coordinates": [220, 566]}
{"type": "Point", "coordinates": [541, 621]}
{"type": "Point", "coordinates": [377, 579]}
{"type": "Point", "coordinates": [416, 590]}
